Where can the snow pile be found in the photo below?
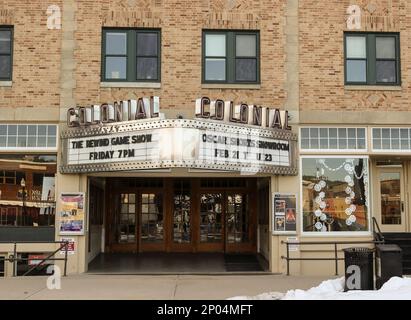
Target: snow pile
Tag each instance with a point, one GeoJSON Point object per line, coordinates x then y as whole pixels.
{"type": "Point", "coordinates": [395, 289]}
{"type": "Point", "coordinates": [264, 296]}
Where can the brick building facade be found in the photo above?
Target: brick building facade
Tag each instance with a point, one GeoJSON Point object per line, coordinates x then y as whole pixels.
{"type": "Point", "coordinates": [339, 68]}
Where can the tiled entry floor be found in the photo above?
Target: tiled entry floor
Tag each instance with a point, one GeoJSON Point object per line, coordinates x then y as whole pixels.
{"type": "Point", "coordinates": [175, 263]}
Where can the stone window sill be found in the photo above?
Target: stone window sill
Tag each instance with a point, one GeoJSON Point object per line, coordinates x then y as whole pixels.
{"type": "Point", "coordinates": [6, 83]}
{"type": "Point", "coordinates": [373, 88]}
{"type": "Point", "coordinates": [149, 85]}
{"type": "Point", "coordinates": [230, 86]}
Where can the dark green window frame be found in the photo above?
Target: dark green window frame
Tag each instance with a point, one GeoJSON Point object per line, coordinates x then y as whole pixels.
{"type": "Point", "coordinates": [9, 54]}
{"type": "Point", "coordinates": [371, 58]}
{"type": "Point", "coordinates": [231, 56]}
{"type": "Point", "coordinates": [131, 55]}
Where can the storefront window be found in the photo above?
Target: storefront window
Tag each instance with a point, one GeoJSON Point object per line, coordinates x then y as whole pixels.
{"type": "Point", "coordinates": [335, 194]}
{"type": "Point", "coordinates": [27, 190]}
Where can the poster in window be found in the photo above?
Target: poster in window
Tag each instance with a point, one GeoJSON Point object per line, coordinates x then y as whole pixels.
{"type": "Point", "coordinates": [285, 213]}
{"type": "Point", "coordinates": [72, 214]}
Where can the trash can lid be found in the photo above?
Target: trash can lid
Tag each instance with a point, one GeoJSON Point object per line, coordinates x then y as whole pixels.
{"type": "Point", "coordinates": [388, 247]}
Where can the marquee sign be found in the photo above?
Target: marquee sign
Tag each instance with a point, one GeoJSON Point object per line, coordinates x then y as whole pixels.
{"type": "Point", "coordinates": [203, 143]}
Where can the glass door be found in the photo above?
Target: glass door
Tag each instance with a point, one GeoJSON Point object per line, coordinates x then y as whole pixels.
{"type": "Point", "coordinates": [123, 228]}
{"type": "Point", "coordinates": [211, 222]}
{"type": "Point", "coordinates": [237, 221]}
{"type": "Point", "coordinates": [391, 200]}
{"type": "Point", "coordinates": [151, 221]}
{"type": "Point", "coordinates": [182, 222]}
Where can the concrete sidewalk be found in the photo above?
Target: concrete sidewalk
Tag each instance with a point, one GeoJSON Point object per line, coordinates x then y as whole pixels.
{"type": "Point", "coordinates": [178, 287]}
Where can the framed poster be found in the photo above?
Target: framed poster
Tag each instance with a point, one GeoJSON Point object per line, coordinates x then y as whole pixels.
{"type": "Point", "coordinates": [72, 215]}
{"type": "Point", "coordinates": [284, 213]}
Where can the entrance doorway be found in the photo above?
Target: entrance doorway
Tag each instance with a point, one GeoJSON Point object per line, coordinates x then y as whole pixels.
{"type": "Point", "coordinates": [390, 191]}
{"type": "Point", "coordinates": [181, 215]}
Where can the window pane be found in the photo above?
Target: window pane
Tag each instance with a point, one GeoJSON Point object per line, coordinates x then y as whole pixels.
{"type": "Point", "coordinates": [32, 130]}
{"type": "Point", "coordinates": [385, 47]}
{"type": "Point", "coordinates": [21, 142]}
{"type": "Point", "coordinates": [5, 43]}
{"type": "Point", "coordinates": [246, 45]}
{"type": "Point", "coordinates": [361, 133]}
{"type": "Point", "coordinates": [12, 130]}
{"type": "Point", "coordinates": [116, 67]}
{"type": "Point", "coordinates": [147, 44]}
{"type": "Point", "coordinates": [215, 45]}
{"type": "Point", "coordinates": [116, 43]}
{"type": "Point", "coordinates": [51, 142]}
{"type": "Point", "coordinates": [356, 71]}
{"type": "Point", "coordinates": [42, 130]}
{"type": "Point", "coordinates": [41, 141]}
{"type": "Point", "coordinates": [215, 69]}
{"type": "Point", "coordinates": [305, 133]}
{"type": "Point", "coordinates": [5, 67]}
{"type": "Point", "coordinates": [356, 48]}
{"type": "Point", "coordinates": [22, 130]}
{"type": "Point", "coordinates": [51, 130]}
{"type": "Point", "coordinates": [11, 141]}
{"type": "Point", "coordinates": [146, 68]}
{"type": "Point", "coordinates": [31, 141]}
{"type": "Point", "coordinates": [246, 70]}
{"type": "Point", "coordinates": [386, 71]}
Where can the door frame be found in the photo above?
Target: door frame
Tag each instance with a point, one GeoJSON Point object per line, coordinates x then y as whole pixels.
{"type": "Point", "coordinates": [403, 227]}
{"type": "Point", "coordinates": [168, 245]}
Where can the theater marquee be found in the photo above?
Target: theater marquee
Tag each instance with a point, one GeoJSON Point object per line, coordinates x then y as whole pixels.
{"type": "Point", "coordinates": [156, 143]}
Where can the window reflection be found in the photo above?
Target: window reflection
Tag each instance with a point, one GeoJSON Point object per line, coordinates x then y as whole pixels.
{"type": "Point", "coordinates": [182, 212]}
{"type": "Point", "coordinates": [152, 219]}
{"type": "Point", "coordinates": [237, 218]}
{"type": "Point", "coordinates": [27, 190]}
{"type": "Point", "coordinates": [211, 218]}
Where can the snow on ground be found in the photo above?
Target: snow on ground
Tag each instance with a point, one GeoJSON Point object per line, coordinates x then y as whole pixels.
{"type": "Point", "coordinates": [395, 289]}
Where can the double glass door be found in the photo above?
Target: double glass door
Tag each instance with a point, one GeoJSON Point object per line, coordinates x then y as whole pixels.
{"type": "Point", "coordinates": [138, 221]}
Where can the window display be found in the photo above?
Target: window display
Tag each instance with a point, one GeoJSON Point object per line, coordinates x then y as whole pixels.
{"type": "Point", "coordinates": [335, 194]}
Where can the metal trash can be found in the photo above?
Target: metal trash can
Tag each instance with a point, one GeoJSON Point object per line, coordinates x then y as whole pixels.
{"type": "Point", "coordinates": [359, 269]}
{"type": "Point", "coordinates": [388, 263]}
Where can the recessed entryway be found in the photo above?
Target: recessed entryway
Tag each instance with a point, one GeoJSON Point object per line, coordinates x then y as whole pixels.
{"type": "Point", "coordinates": [177, 263]}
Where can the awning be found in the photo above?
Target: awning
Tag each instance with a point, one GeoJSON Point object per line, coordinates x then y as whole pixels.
{"type": "Point", "coordinates": [30, 204]}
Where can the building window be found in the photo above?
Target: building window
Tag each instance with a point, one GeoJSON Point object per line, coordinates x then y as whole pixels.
{"type": "Point", "coordinates": [372, 59]}
{"type": "Point", "coordinates": [320, 138]}
{"type": "Point", "coordinates": [131, 55]}
{"type": "Point", "coordinates": [335, 194]}
{"type": "Point", "coordinates": [30, 136]}
{"type": "Point", "coordinates": [231, 57]}
{"type": "Point", "coordinates": [391, 139]}
{"type": "Point", "coordinates": [27, 190]}
{"type": "Point", "coordinates": [6, 53]}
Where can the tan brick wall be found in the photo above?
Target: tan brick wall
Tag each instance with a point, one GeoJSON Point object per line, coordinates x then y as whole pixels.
{"type": "Point", "coordinates": [322, 24]}
{"type": "Point", "coordinates": [36, 59]}
{"type": "Point", "coordinates": [181, 23]}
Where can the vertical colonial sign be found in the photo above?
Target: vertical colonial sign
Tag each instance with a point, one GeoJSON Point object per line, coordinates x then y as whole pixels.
{"type": "Point", "coordinates": [133, 135]}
